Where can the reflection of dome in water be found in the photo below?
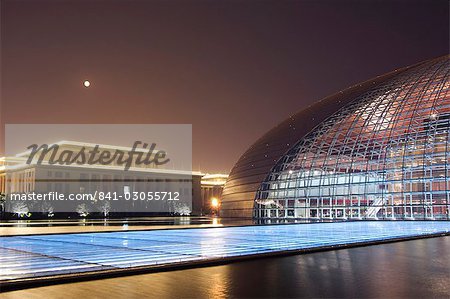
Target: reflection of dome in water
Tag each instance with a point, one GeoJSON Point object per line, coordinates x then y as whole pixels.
{"type": "Point", "coordinates": [377, 150]}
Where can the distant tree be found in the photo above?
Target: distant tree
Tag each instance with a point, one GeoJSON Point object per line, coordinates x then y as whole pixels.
{"type": "Point", "coordinates": [2, 202]}
{"type": "Point", "coordinates": [105, 208]}
{"type": "Point", "coordinates": [182, 209]}
{"type": "Point", "coordinates": [20, 208]}
{"type": "Point", "coordinates": [82, 210]}
{"type": "Point", "coordinates": [2, 198]}
{"type": "Point", "coordinates": [48, 208]}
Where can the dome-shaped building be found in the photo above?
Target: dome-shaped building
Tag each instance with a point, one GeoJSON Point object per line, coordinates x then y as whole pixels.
{"type": "Point", "coordinates": [378, 150]}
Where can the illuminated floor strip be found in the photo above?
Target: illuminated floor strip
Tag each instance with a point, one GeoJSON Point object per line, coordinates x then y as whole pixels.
{"type": "Point", "coordinates": [45, 255]}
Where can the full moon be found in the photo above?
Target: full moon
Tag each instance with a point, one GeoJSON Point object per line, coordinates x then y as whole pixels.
{"type": "Point", "coordinates": [86, 83]}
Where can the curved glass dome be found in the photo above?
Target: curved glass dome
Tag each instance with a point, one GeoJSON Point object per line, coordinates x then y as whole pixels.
{"type": "Point", "coordinates": [383, 155]}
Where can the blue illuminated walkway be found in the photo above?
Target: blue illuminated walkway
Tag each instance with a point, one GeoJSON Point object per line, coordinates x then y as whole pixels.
{"type": "Point", "coordinates": [23, 257]}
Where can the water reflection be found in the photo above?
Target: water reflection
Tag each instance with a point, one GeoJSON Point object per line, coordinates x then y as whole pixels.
{"type": "Point", "coordinates": [412, 269]}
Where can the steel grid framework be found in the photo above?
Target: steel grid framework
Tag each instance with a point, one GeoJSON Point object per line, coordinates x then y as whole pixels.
{"type": "Point", "coordinates": [383, 156]}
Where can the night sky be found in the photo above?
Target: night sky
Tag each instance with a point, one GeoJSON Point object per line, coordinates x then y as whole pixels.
{"type": "Point", "coordinates": [233, 69]}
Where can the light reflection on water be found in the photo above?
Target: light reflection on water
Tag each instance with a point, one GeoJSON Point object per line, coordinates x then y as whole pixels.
{"type": "Point", "coordinates": [410, 269]}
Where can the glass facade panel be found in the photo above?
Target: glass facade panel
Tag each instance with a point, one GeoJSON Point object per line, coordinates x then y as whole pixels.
{"type": "Point", "coordinates": [385, 155]}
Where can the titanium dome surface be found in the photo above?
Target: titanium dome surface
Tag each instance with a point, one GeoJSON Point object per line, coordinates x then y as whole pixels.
{"type": "Point", "coordinates": [378, 150]}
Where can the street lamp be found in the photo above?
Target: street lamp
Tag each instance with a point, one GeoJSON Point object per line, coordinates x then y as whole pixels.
{"type": "Point", "coordinates": [215, 204]}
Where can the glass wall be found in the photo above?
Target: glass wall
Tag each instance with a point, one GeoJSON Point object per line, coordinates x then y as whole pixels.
{"type": "Point", "coordinates": [383, 156]}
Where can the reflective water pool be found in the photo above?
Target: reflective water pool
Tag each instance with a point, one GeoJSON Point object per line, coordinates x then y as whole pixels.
{"type": "Point", "coordinates": [45, 255]}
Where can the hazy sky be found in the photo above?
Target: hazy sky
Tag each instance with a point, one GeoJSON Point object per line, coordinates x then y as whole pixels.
{"type": "Point", "coordinates": [233, 69]}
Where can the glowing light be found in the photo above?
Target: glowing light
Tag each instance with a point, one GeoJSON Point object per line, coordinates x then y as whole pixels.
{"type": "Point", "coordinates": [86, 83]}
{"type": "Point", "coordinates": [214, 202]}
